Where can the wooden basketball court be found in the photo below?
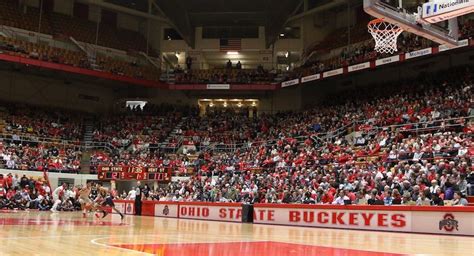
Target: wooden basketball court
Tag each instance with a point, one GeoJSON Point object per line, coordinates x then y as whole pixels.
{"type": "Point", "coordinates": [43, 233]}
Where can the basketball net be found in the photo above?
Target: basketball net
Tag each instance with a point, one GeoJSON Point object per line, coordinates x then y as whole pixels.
{"type": "Point", "coordinates": [385, 35]}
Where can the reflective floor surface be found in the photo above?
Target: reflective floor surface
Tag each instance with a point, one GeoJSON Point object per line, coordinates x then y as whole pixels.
{"type": "Point", "coordinates": [43, 233]}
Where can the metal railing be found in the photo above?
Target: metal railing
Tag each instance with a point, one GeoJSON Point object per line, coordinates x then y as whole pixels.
{"type": "Point", "coordinates": [37, 139]}
{"type": "Point", "coordinates": [419, 127]}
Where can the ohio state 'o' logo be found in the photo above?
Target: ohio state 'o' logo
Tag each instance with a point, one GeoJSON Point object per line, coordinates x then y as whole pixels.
{"type": "Point", "coordinates": [448, 223]}
{"type": "Point", "coordinates": [166, 210]}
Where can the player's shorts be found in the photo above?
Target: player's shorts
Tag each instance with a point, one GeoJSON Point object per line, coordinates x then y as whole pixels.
{"type": "Point", "coordinates": [85, 200]}
{"type": "Point", "coordinates": [108, 201]}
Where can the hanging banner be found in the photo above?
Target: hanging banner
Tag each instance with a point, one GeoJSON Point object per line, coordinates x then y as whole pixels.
{"type": "Point", "coordinates": [387, 60]}
{"type": "Point", "coordinates": [419, 53]}
{"type": "Point", "coordinates": [290, 83]}
{"type": "Point", "coordinates": [333, 73]}
{"type": "Point", "coordinates": [360, 66]}
{"type": "Point", "coordinates": [310, 78]}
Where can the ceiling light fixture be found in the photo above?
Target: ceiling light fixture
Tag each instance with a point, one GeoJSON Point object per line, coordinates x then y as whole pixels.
{"type": "Point", "coordinates": [232, 53]}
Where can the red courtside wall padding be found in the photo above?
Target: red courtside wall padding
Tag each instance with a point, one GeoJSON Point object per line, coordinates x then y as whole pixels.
{"type": "Point", "coordinates": [443, 220]}
{"type": "Point", "coordinates": [412, 219]}
{"type": "Point", "coordinates": [211, 211]}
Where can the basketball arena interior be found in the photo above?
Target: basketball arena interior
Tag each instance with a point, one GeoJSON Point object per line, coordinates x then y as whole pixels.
{"type": "Point", "coordinates": [238, 127]}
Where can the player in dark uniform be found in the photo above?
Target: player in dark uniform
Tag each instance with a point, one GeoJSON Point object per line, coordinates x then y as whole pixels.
{"type": "Point", "coordinates": [104, 199]}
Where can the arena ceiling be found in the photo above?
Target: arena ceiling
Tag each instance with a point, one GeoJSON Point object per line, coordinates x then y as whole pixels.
{"type": "Point", "coordinates": [186, 15]}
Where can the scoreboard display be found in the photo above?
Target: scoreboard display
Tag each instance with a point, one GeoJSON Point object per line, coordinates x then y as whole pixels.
{"type": "Point", "coordinates": [134, 173]}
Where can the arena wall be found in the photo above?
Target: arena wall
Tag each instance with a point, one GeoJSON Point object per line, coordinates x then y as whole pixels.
{"type": "Point", "coordinates": [403, 219]}
{"type": "Point", "coordinates": [286, 99]}
{"type": "Point", "coordinates": [64, 6]}
{"type": "Point", "coordinates": [128, 22]}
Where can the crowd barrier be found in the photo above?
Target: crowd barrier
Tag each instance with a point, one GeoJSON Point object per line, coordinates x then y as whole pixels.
{"type": "Point", "coordinates": [444, 220]}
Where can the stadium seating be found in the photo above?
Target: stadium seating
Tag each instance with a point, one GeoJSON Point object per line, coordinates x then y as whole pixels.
{"type": "Point", "coordinates": [399, 140]}
{"type": "Point", "coordinates": [59, 24]}
{"type": "Point", "coordinates": [35, 139]}
{"type": "Point", "coordinates": [11, 15]}
{"type": "Point", "coordinates": [305, 158]}
{"type": "Point", "coordinates": [42, 52]}
{"type": "Point", "coordinates": [391, 143]}
{"type": "Point", "coordinates": [85, 31]}
{"type": "Point", "coordinates": [26, 49]}
{"type": "Point", "coordinates": [239, 76]}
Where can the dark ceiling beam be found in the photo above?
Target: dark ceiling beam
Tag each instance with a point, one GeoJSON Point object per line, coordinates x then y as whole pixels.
{"type": "Point", "coordinates": [277, 18]}
{"type": "Point", "coordinates": [118, 8]}
{"type": "Point", "coordinates": [173, 9]}
{"type": "Point", "coordinates": [318, 9]}
{"type": "Point", "coordinates": [227, 13]}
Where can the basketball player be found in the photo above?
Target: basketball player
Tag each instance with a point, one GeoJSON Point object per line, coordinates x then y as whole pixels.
{"type": "Point", "coordinates": [58, 194]}
{"type": "Point", "coordinates": [84, 199]}
{"type": "Point", "coordinates": [104, 198]}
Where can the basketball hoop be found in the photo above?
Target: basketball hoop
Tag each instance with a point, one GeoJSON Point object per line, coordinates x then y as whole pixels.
{"type": "Point", "coordinates": [385, 35]}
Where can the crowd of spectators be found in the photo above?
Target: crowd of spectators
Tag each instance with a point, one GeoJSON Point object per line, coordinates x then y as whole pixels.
{"type": "Point", "coordinates": [138, 136]}
{"type": "Point", "coordinates": [227, 75]}
{"type": "Point", "coordinates": [34, 122]}
{"type": "Point", "coordinates": [405, 143]}
{"type": "Point", "coordinates": [22, 193]}
{"type": "Point", "coordinates": [40, 156]}
{"type": "Point", "coordinates": [413, 146]}
{"type": "Point", "coordinates": [404, 130]}
{"type": "Point", "coordinates": [28, 193]}
{"type": "Point", "coordinates": [37, 138]}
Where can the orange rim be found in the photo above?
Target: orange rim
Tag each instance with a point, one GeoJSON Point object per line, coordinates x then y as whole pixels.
{"type": "Point", "coordinates": [380, 20]}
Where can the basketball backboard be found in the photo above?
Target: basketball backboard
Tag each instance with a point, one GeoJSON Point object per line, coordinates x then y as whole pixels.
{"type": "Point", "coordinates": [422, 19]}
{"type": "Point", "coordinates": [441, 10]}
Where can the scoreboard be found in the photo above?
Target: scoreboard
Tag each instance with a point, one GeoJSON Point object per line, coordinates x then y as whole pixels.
{"type": "Point", "coordinates": [134, 173]}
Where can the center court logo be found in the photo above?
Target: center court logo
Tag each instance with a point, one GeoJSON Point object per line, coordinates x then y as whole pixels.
{"type": "Point", "coordinates": [448, 223]}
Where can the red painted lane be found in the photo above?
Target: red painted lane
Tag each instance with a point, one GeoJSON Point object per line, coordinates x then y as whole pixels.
{"type": "Point", "coordinates": [246, 248]}
{"type": "Point", "coordinates": [50, 222]}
